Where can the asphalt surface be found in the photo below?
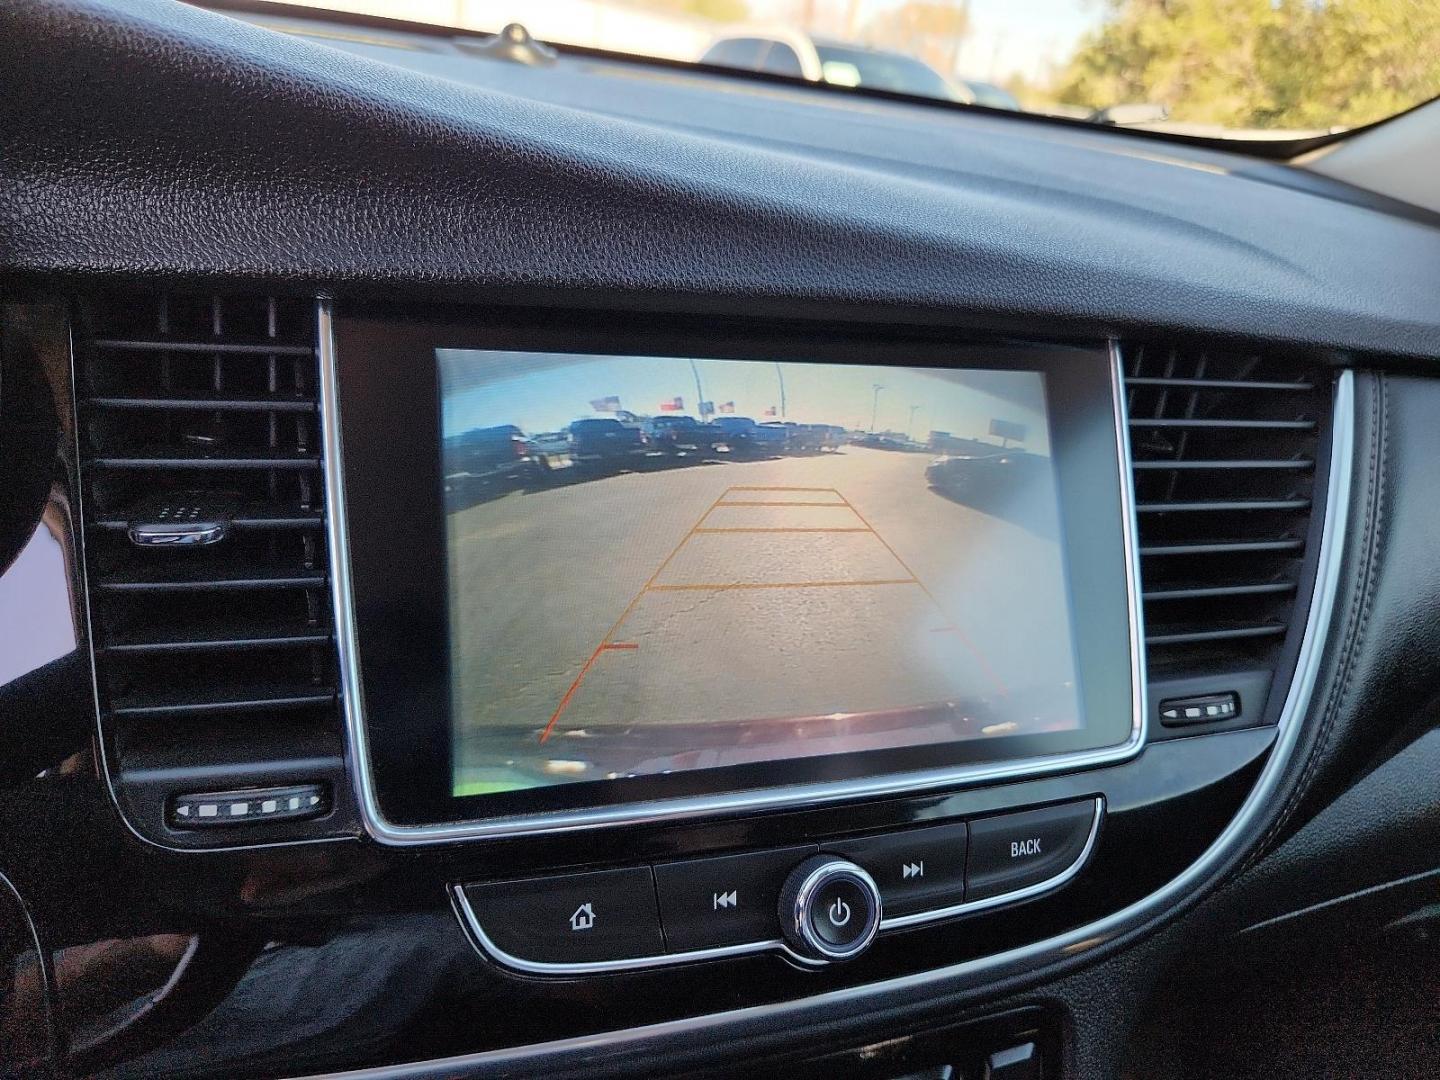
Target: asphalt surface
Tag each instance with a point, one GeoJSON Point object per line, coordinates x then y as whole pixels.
{"type": "Point", "coordinates": [739, 591]}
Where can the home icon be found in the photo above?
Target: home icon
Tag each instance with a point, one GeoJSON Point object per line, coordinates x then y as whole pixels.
{"type": "Point", "coordinates": [583, 919]}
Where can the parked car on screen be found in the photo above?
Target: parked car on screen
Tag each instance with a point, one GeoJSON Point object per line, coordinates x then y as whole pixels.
{"type": "Point", "coordinates": [778, 434]}
{"type": "Point", "coordinates": [746, 437]}
{"type": "Point", "coordinates": [604, 439]}
{"type": "Point", "coordinates": [739, 433]}
{"type": "Point", "coordinates": [975, 479]}
{"type": "Point", "coordinates": [494, 457]}
{"type": "Point", "coordinates": [879, 440]}
{"type": "Point", "coordinates": [792, 438]}
{"type": "Point", "coordinates": [682, 434]}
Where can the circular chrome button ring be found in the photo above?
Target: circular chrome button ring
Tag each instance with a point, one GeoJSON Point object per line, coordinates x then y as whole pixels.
{"type": "Point", "coordinates": [830, 910]}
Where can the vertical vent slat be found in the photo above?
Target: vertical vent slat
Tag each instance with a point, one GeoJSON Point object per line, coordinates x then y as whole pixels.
{"type": "Point", "coordinates": [1224, 448]}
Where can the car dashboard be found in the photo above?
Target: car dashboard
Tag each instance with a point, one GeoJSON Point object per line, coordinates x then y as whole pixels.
{"type": "Point", "coordinates": [250, 259]}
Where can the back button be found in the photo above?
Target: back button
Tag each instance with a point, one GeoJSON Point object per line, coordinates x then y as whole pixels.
{"type": "Point", "coordinates": [729, 900]}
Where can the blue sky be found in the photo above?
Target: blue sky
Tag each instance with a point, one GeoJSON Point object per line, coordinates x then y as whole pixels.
{"type": "Point", "coordinates": [544, 392]}
{"type": "Point", "coordinates": [1010, 37]}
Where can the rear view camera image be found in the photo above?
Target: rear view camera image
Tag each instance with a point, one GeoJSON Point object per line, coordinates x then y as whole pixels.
{"type": "Point", "coordinates": [661, 564]}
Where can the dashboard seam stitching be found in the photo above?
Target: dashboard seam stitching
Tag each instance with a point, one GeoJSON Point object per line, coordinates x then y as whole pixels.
{"type": "Point", "coordinates": [1359, 617]}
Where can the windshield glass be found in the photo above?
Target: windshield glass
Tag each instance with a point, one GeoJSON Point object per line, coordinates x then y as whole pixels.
{"type": "Point", "coordinates": [1261, 69]}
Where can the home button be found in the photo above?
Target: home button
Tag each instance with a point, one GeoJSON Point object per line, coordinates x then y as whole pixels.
{"type": "Point", "coordinates": [568, 919]}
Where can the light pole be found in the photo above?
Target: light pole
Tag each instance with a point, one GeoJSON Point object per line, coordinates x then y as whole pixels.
{"type": "Point", "coordinates": [699, 393]}
{"type": "Point", "coordinates": [875, 405]}
{"type": "Point", "coordinates": [780, 374]}
{"type": "Point", "coordinates": [910, 427]}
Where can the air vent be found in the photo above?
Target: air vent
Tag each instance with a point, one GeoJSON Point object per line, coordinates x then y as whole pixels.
{"type": "Point", "coordinates": [1225, 449]}
{"type": "Point", "coordinates": [205, 550]}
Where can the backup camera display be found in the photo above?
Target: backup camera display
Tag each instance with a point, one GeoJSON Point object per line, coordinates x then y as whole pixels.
{"type": "Point", "coordinates": [658, 565]}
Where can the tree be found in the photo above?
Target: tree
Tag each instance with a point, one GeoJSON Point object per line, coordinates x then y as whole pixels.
{"type": "Point", "coordinates": [1261, 63]}
{"type": "Point", "coordinates": [929, 29]}
{"type": "Point", "coordinates": [714, 10]}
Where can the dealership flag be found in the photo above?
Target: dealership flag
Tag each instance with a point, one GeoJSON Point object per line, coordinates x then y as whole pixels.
{"type": "Point", "coordinates": [606, 404]}
{"type": "Point", "coordinates": [727, 406]}
{"type": "Point", "coordinates": [770, 411]}
{"type": "Point", "coordinates": [673, 405]}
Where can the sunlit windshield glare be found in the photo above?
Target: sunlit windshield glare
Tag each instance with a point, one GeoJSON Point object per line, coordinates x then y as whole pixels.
{"type": "Point", "coordinates": [1234, 68]}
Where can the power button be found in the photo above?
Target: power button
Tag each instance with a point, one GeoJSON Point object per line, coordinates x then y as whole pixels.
{"type": "Point", "coordinates": [838, 911]}
{"type": "Point", "coordinates": [829, 909]}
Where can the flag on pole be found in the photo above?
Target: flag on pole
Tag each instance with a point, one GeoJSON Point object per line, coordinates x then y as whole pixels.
{"type": "Point", "coordinates": [606, 404]}
{"type": "Point", "coordinates": [673, 405]}
{"type": "Point", "coordinates": [770, 411]}
{"type": "Point", "coordinates": [727, 406]}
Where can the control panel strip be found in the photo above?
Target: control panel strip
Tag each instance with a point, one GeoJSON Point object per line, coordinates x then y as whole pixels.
{"type": "Point", "coordinates": [494, 952]}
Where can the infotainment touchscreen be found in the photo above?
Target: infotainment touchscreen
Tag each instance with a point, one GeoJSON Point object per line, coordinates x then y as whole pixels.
{"type": "Point", "coordinates": [656, 565]}
{"type": "Point", "coordinates": [600, 569]}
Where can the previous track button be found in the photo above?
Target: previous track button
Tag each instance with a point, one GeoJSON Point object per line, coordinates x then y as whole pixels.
{"type": "Point", "coordinates": [730, 900]}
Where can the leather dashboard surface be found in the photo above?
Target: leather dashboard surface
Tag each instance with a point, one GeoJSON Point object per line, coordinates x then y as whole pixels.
{"type": "Point", "coordinates": [149, 138]}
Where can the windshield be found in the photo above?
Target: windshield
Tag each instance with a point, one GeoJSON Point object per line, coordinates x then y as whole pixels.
{"type": "Point", "coordinates": [1260, 69]}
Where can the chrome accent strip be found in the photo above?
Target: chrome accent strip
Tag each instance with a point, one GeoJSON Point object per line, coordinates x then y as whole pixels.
{"type": "Point", "coordinates": [488, 948]}
{"type": "Point", "coordinates": [1028, 961]}
{"type": "Point", "coordinates": [1027, 893]}
{"type": "Point", "coordinates": [676, 809]}
{"type": "Point", "coordinates": [176, 535]}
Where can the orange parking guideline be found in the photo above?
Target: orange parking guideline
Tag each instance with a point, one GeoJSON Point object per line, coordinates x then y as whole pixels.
{"type": "Point", "coordinates": [979, 656]}
{"type": "Point", "coordinates": [776, 528]}
{"type": "Point", "coordinates": [585, 668]}
{"type": "Point", "coordinates": [650, 585]}
{"type": "Point", "coordinates": [725, 586]}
